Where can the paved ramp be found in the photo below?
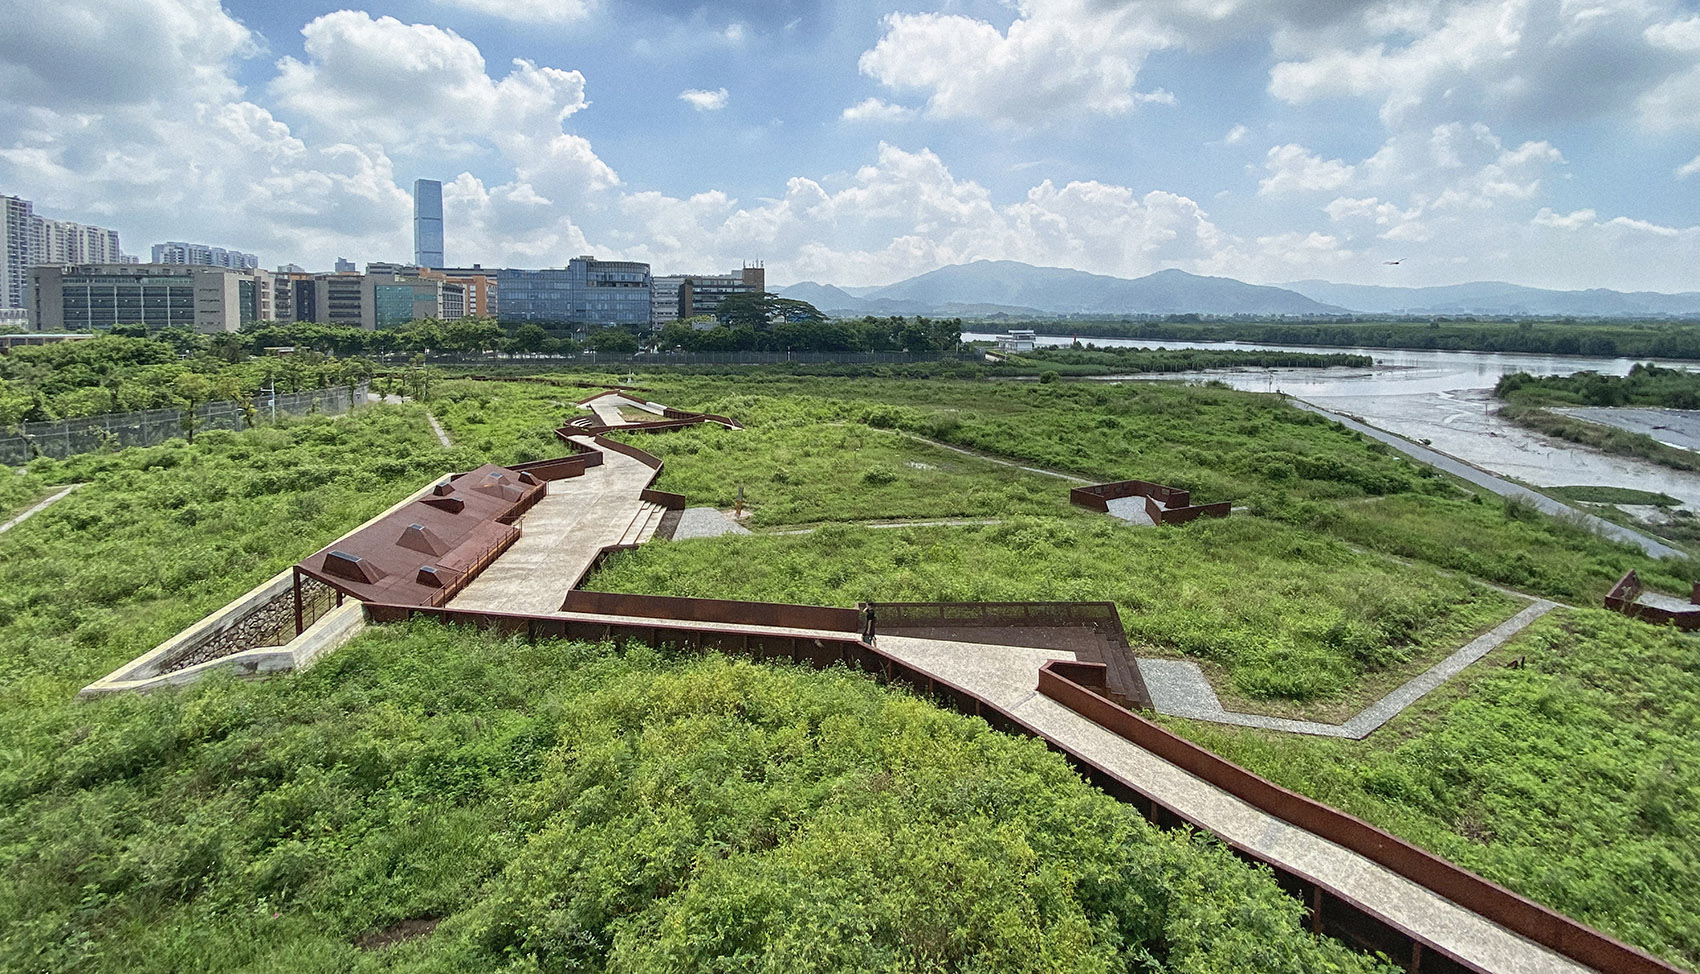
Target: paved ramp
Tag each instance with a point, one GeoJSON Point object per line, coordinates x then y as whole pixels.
{"type": "Point", "coordinates": [560, 536]}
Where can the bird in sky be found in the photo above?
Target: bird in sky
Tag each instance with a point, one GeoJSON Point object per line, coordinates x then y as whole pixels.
{"type": "Point", "coordinates": [1399, 261]}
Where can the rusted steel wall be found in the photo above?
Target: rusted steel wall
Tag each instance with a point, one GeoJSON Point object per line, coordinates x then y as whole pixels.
{"type": "Point", "coordinates": [1181, 515]}
{"type": "Point", "coordinates": [940, 614]}
{"type": "Point", "coordinates": [714, 610]}
{"type": "Point", "coordinates": [649, 460]}
{"type": "Point", "coordinates": [672, 413]}
{"type": "Point", "coordinates": [1622, 598]}
{"type": "Point", "coordinates": [667, 499]}
{"type": "Point", "coordinates": [1490, 900]}
{"type": "Point", "coordinates": [560, 468]}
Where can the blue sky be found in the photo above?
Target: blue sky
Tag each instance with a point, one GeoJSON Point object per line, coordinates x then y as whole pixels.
{"type": "Point", "coordinates": [1554, 143]}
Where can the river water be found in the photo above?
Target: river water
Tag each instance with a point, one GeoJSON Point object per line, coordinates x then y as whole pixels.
{"type": "Point", "coordinates": [1444, 399]}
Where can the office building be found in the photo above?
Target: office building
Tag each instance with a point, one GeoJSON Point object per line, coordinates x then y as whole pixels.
{"type": "Point", "coordinates": [702, 294]}
{"type": "Point", "coordinates": [664, 300]}
{"type": "Point", "coordinates": [482, 292]}
{"type": "Point", "coordinates": [344, 266]}
{"type": "Point", "coordinates": [95, 297]}
{"type": "Point", "coordinates": [428, 223]}
{"type": "Point", "coordinates": [178, 252]}
{"type": "Point", "coordinates": [587, 292]}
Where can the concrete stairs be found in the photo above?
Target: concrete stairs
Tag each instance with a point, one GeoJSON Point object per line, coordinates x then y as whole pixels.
{"type": "Point", "coordinates": [643, 524]}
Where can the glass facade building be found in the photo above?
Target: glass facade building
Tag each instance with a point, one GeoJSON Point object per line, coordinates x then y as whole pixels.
{"type": "Point", "coordinates": [428, 223]}
{"type": "Point", "coordinates": [584, 293]}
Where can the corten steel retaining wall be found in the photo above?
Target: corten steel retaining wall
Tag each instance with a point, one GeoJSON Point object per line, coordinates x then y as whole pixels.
{"type": "Point", "coordinates": [560, 468]}
{"type": "Point", "coordinates": [1622, 598]}
{"type": "Point", "coordinates": [672, 413]}
{"type": "Point", "coordinates": [1163, 504]}
{"type": "Point", "coordinates": [1100, 617]}
{"type": "Point", "coordinates": [775, 614]}
{"type": "Point", "coordinates": [1356, 924]}
{"type": "Point", "coordinates": [667, 499]}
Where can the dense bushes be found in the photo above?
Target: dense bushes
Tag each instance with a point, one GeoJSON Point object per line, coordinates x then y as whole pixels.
{"type": "Point", "coordinates": [559, 807]}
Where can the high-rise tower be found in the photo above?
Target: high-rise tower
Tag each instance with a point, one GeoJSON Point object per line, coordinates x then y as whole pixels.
{"type": "Point", "coordinates": [428, 223]}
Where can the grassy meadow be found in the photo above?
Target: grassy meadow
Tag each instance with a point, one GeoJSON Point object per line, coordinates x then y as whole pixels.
{"type": "Point", "coordinates": [562, 807]}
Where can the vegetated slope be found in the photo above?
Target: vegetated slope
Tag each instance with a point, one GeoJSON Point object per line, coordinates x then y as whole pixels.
{"type": "Point", "coordinates": [1573, 778]}
{"type": "Point", "coordinates": [560, 807]}
{"type": "Point", "coordinates": [1293, 623]}
{"type": "Point", "coordinates": [1280, 462]}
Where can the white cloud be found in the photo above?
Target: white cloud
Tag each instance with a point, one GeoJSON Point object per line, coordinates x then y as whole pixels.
{"type": "Point", "coordinates": [1497, 59]}
{"type": "Point", "coordinates": [417, 87]}
{"type": "Point", "coordinates": [704, 101]}
{"type": "Point", "coordinates": [1294, 169]}
{"type": "Point", "coordinates": [876, 110]}
{"type": "Point", "coordinates": [1689, 168]}
{"type": "Point", "coordinates": [1059, 58]}
{"type": "Point", "coordinates": [906, 212]}
{"type": "Point", "coordinates": [83, 54]}
{"type": "Point", "coordinates": [1236, 135]}
{"type": "Point", "coordinates": [530, 11]}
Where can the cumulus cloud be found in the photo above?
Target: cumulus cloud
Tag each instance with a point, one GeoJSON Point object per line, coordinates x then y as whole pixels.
{"type": "Point", "coordinates": [1236, 135]}
{"type": "Point", "coordinates": [1497, 59]}
{"type": "Point", "coordinates": [84, 54]}
{"type": "Point", "coordinates": [416, 86]}
{"type": "Point", "coordinates": [1688, 168]}
{"type": "Point", "coordinates": [876, 110]}
{"type": "Point", "coordinates": [704, 101]}
{"type": "Point", "coordinates": [906, 212]}
{"type": "Point", "coordinates": [1059, 58]}
{"type": "Point", "coordinates": [530, 11]}
{"type": "Point", "coordinates": [1294, 169]}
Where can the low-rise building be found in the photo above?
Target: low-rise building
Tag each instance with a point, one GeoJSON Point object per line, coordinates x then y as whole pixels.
{"type": "Point", "coordinates": [95, 297]}
{"type": "Point", "coordinates": [586, 293]}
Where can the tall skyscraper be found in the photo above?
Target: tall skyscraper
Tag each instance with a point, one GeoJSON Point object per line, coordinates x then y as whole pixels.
{"type": "Point", "coordinates": [428, 223]}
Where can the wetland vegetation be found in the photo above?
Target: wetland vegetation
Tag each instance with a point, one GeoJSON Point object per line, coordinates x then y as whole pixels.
{"type": "Point", "coordinates": [560, 805]}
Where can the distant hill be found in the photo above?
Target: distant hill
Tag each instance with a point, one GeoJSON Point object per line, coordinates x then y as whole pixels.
{"type": "Point", "coordinates": [1497, 298]}
{"type": "Point", "coordinates": [986, 288]}
{"type": "Point", "coordinates": [1010, 287]}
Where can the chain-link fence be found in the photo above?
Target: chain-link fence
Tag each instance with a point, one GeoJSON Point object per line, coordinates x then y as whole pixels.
{"type": "Point", "coordinates": [66, 437]}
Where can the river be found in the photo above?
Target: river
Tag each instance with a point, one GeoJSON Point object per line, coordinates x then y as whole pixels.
{"type": "Point", "coordinates": [1444, 399]}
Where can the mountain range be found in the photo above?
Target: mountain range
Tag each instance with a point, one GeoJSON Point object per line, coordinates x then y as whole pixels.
{"type": "Point", "coordinates": [1003, 287]}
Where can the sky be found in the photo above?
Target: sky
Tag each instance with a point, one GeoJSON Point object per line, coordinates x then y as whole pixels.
{"type": "Point", "coordinates": [1552, 143]}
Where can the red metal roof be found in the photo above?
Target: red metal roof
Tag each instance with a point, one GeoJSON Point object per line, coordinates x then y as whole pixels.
{"type": "Point", "coordinates": [425, 551]}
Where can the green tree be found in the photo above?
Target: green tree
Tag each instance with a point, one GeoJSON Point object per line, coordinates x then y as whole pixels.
{"type": "Point", "coordinates": [193, 390]}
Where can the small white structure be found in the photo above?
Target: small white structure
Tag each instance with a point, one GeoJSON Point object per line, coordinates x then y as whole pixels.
{"type": "Point", "coordinates": [1016, 340]}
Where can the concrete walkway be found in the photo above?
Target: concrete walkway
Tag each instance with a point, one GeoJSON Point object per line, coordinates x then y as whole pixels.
{"type": "Point", "coordinates": [1179, 689]}
{"type": "Point", "coordinates": [38, 507]}
{"type": "Point", "coordinates": [1498, 485]}
{"type": "Point", "coordinates": [437, 428]}
{"type": "Point", "coordinates": [1007, 676]}
{"type": "Point", "coordinates": [560, 536]}
{"type": "Point", "coordinates": [607, 408]}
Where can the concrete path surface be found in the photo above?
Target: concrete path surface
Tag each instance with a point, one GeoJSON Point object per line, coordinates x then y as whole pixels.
{"type": "Point", "coordinates": [1008, 676]}
{"type": "Point", "coordinates": [1179, 689]}
{"type": "Point", "coordinates": [38, 507]}
{"type": "Point", "coordinates": [560, 536]}
{"type": "Point", "coordinates": [1498, 485]}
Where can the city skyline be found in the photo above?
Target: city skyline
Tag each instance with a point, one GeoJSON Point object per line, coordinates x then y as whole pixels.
{"type": "Point", "coordinates": [1548, 144]}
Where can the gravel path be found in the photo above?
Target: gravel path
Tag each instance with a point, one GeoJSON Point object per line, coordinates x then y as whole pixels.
{"type": "Point", "coordinates": [1178, 688]}
{"type": "Point", "coordinates": [38, 507]}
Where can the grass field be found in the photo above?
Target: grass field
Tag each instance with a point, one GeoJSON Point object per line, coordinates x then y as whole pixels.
{"type": "Point", "coordinates": [559, 807]}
